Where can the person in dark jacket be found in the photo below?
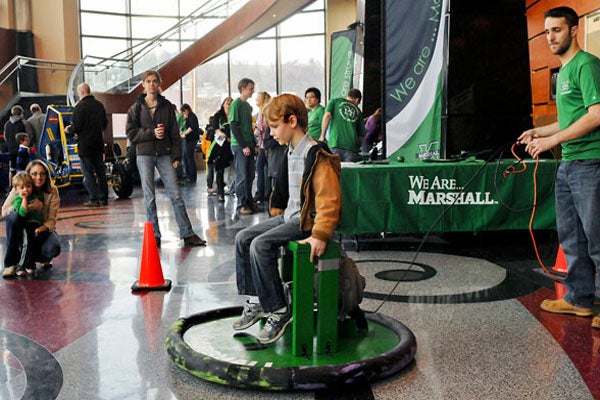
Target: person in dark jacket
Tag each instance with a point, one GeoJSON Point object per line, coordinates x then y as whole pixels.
{"type": "Point", "coordinates": [277, 165]}
{"type": "Point", "coordinates": [14, 125]}
{"type": "Point", "coordinates": [152, 129]}
{"type": "Point", "coordinates": [191, 135]}
{"type": "Point", "coordinates": [24, 152]}
{"type": "Point", "coordinates": [89, 122]}
{"type": "Point", "coordinates": [220, 154]}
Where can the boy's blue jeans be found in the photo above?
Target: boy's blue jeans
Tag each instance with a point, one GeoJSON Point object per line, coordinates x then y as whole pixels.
{"type": "Point", "coordinates": [256, 254]}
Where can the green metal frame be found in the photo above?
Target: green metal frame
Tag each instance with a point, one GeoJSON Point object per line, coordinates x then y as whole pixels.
{"type": "Point", "coordinates": [296, 267]}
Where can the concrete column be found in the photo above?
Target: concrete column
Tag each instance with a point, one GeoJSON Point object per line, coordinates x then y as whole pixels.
{"type": "Point", "coordinates": [22, 13]}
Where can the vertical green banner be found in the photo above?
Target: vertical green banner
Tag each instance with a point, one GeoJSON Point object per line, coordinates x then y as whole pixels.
{"type": "Point", "coordinates": [414, 77]}
{"type": "Point", "coordinates": [342, 63]}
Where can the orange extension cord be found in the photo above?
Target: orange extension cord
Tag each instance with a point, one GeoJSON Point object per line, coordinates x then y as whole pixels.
{"type": "Point", "coordinates": [512, 170]}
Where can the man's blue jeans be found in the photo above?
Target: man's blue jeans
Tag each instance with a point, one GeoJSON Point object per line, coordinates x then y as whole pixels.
{"type": "Point", "coordinates": [578, 225]}
{"type": "Point", "coordinates": [164, 165]}
{"type": "Point", "coordinates": [244, 176]}
{"type": "Point", "coordinates": [96, 186]}
{"type": "Point", "coordinates": [187, 157]}
{"type": "Point", "coordinates": [256, 252]}
{"type": "Point", "coordinates": [263, 183]}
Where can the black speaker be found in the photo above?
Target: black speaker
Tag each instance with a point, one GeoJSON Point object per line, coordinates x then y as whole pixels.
{"type": "Point", "coordinates": [488, 88]}
{"type": "Point", "coordinates": [372, 85]}
{"type": "Point", "coordinates": [28, 80]}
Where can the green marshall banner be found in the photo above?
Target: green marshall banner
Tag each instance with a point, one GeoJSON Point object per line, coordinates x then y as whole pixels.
{"type": "Point", "coordinates": [415, 43]}
{"type": "Point", "coordinates": [342, 63]}
{"type": "Point", "coordinates": [466, 196]}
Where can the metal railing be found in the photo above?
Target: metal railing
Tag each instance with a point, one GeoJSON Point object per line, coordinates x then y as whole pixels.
{"type": "Point", "coordinates": [20, 69]}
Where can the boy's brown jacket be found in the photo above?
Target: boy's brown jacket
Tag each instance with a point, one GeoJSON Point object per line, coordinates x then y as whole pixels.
{"type": "Point", "coordinates": [320, 194]}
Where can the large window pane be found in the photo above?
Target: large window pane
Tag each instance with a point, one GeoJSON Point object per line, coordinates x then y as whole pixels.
{"type": "Point", "coordinates": [154, 7]}
{"type": "Point", "coordinates": [156, 57]}
{"type": "Point", "coordinates": [212, 87]}
{"type": "Point", "coordinates": [116, 6]}
{"type": "Point", "coordinates": [148, 27]}
{"type": "Point", "coordinates": [188, 6]}
{"type": "Point", "coordinates": [303, 24]}
{"type": "Point", "coordinates": [100, 78]}
{"type": "Point", "coordinates": [303, 64]}
{"type": "Point", "coordinates": [317, 5]}
{"type": "Point", "coordinates": [96, 25]}
{"type": "Point", "coordinates": [200, 28]}
{"type": "Point", "coordinates": [255, 60]}
{"type": "Point", "coordinates": [102, 47]}
{"type": "Point", "coordinates": [271, 33]}
{"type": "Point", "coordinates": [222, 8]}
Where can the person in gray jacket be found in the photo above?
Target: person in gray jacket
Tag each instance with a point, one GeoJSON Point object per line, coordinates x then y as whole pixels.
{"type": "Point", "coordinates": [36, 121]}
{"type": "Point", "coordinates": [152, 129]}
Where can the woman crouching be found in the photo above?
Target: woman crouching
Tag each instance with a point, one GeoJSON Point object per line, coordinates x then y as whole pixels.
{"type": "Point", "coordinates": [45, 244]}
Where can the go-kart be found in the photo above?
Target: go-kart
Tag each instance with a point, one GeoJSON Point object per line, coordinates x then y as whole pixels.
{"type": "Point", "coordinates": [58, 149]}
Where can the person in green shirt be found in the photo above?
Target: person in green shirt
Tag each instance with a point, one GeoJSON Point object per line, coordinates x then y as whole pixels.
{"type": "Point", "coordinates": [181, 125]}
{"type": "Point", "coordinates": [577, 186]}
{"type": "Point", "coordinates": [243, 147]}
{"type": "Point", "coordinates": [312, 99]}
{"type": "Point", "coordinates": [23, 185]}
{"type": "Point", "coordinates": [346, 127]}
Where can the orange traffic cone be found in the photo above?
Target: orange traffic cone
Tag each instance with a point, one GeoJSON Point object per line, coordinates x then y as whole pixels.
{"type": "Point", "coordinates": [151, 276]}
{"type": "Point", "coordinates": [560, 266]}
{"type": "Point", "coordinates": [152, 306]}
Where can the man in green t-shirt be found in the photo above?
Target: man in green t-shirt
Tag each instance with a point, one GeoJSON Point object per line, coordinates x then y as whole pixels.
{"type": "Point", "coordinates": [181, 125]}
{"type": "Point", "coordinates": [577, 185]}
{"type": "Point", "coordinates": [243, 147]}
{"type": "Point", "coordinates": [312, 99]}
{"type": "Point", "coordinates": [347, 128]}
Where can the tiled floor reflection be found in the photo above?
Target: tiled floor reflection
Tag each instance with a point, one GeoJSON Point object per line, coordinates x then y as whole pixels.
{"type": "Point", "coordinates": [77, 331]}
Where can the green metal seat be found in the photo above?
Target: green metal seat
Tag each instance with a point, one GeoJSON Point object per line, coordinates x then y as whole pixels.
{"type": "Point", "coordinates": [296, 267]}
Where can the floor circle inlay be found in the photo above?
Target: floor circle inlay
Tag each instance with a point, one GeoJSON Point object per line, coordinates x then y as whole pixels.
{"type": "Point", "coordinates": [413, 273]}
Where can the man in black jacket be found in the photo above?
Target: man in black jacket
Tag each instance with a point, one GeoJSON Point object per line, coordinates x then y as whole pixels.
{"type": "Point", "coordinates": [190, 137]}
{"type": "Point", "coordinates": [89, 122]}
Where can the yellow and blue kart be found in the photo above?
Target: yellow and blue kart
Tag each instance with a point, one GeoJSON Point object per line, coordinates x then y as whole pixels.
{"type": "Point", "coordinates": [58, 149]}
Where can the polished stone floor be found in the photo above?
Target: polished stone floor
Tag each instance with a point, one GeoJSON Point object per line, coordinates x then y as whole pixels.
{"type": "Point", "coordinates": [77, 331]}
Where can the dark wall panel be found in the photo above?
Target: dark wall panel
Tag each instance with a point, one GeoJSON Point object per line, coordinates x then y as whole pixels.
{"type": "Point", "coordinates": [372, 57]}
{"type": "Point", "coordinates": [488, 90]}
{"type": "Point", "coordinates": [24, 45]}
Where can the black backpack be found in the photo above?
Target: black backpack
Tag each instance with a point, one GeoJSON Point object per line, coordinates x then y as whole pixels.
{"type": "Point", "coordinates": [351, 288]}
{"type": "Point", "coordinates": [351, 285]}
{"type": "Point", "coordinates": [210, 132]}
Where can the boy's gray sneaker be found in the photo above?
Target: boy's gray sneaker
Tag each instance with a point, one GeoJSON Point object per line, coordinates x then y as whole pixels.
{"type": "Point", "coordinates": [252, 313]}
{"type": "Point", "coordinates": [275, 326]}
